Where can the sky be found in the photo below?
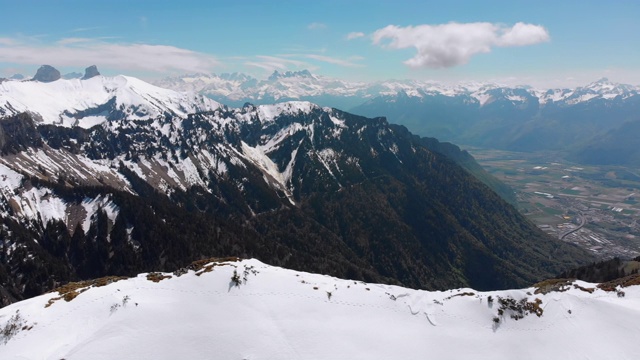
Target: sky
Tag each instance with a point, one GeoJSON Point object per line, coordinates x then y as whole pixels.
{"type": "Point", "coordinates": [540, 43]}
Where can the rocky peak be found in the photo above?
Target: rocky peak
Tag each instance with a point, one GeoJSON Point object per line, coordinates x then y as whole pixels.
{"type": "Point", "coordinates": [47, 73]}
{"type": "Point", "coordinates": [90, 72]}
{"type": "Point", "coordinates": [72, 75]}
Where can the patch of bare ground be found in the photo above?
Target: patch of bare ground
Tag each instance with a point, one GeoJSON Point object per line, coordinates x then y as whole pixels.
{"type": "Point", "coordinates": [71, 290]}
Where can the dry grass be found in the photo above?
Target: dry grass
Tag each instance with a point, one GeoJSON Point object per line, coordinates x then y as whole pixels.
{"type": "Point", "coordinates": [199, 264]}
{"type": "Point", "coordinates": [71, 290]}
{"type": "Point", "coordinates": [460, 294]}
{"type": "Point", "coordinates": [589, 290]}
{"type": "Point", "coordinates": [157, 277]}
{"type": "Point", "coordinates": [551, 285]}
{"type": "Point", "coordinates": [624, 282]}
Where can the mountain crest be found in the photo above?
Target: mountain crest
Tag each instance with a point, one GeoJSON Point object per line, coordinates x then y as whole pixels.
{"type": "Point", "coordinates": [47, 73]}
{"type": "Point", "coordinates": [90, 72]}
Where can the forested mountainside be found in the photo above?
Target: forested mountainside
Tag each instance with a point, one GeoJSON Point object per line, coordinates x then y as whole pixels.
{"type": "Point", "coordinates": [293, 184]}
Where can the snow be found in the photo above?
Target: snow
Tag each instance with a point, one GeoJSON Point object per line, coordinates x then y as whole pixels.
{"type": "Point", "coordinates": [9, 178]}
{"type": "Point", "coordinates": [40, 204]}
{"type": "Point", "coordinates": [283, 314]}
{"type": "Point", "coordinates": [300, 85]}
{"type": "Point", "coordinates": [62, 102]}
{"type": "Point", "coordinates": [482, 98]}
{"type": "Point", "coordinates": [269, 169]}
{"type": "Point", "coordinates": [91, 207]}
{"type": "Point", "coordinates": [268, 113]}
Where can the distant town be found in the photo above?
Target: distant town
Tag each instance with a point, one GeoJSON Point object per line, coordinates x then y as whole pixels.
{"type": "Point", "coordinates": [594, 207]}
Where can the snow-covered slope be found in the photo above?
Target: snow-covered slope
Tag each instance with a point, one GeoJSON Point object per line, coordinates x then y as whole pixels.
{"type": "Point", "coordinates": [201, 142]}
{"type": "Point", "coordinates": [39, 205]}
{"type": "Point", "coordinates": [85, 103]}
{"type": "Point", "coordinates": [249, 310]}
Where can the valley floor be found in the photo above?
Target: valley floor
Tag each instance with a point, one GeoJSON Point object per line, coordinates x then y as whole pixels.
{"type": "Point", "coordinates": [559, 196]}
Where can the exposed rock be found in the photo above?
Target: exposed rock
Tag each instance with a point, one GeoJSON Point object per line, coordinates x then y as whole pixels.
{"type": "Point", "coordinates": [47, 73]}
{"type": "Point", "coordinates": [17, 77]}
{"type": "Point", "coordinates": [72, 75]}
{"type": "Point", "coordinates": [90, 72]}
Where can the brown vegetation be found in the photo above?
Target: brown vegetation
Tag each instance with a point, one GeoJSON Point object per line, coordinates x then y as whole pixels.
{"type": "Point", "coordinates": [547, 286]}
{"type": "Point", "coordinates": [460, 294]}
{"type": "Point", "coordinates": [71, 290]}
{"type": "Point", "coordinates": [157, 277]}
{"type": "Point", "coordinates": [622, 282]}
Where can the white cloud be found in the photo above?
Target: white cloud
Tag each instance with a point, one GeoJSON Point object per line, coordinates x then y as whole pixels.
{"type": "Point", "coordinates": [332, 60]}
{"type": "Point", "coordinates": [6, 41]}
{"type": "Point", "coordinates": [316, 26]}
{"type": "Point", "coordinates": [271, 63]}
{"type": "Point", "coordinates": [522, 34]}
{"type": "Point", "coordinates": [452, 44]}
{"type": "Point", "coordinates": [83, 52]}
{"type": "Point", "coordinates": [354, 35]}
{"type": "Point", "coordinates": [296, 61]}
{"type": "Point", "coordinates": [83, 29]}
{"type": "Point", "coordinates": [72, 40]}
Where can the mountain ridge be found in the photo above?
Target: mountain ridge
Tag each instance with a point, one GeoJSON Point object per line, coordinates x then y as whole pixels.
{"type": "Point", "coordinates": [247, 309]}
{"type": "Point", "coordinates": [296, 184]}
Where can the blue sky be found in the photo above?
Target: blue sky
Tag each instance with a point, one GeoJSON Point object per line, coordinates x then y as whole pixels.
{"type": "Point", "coordinates": [542, 43]}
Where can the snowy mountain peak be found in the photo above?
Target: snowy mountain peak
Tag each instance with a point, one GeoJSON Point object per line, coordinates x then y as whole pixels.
{"type": "Point", "coordinates": [303, 85]}
{"type": "Point", "coordinates": [87, 102]}
{"type": "Point", "coordinates": [290, 74]}
{"type": "Point", "coordinates": [268, 113]}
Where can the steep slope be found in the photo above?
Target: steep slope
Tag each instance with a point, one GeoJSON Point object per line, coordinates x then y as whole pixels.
{"type": "Point", "coordinates": [249, 310]}
{"type": "Point", "coordinates": [469, 163]}
{"type": "Point", "coordinates": [618, 146]}
{"type": "Point", "coordinates": [294, 184]}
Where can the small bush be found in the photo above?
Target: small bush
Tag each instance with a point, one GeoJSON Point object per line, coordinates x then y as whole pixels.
{"type": "Point", "coordinates": [235, 278]}
{"type": "Point", "coordinates": [15, 324]}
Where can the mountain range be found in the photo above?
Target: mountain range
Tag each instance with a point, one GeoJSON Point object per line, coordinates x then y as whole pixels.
{"type": "Point", "coordinates": [519, 118]}
{"type": "Point", "coordinates": [245, 309]}
{"type": "Point", "coordinates": [111, 175]}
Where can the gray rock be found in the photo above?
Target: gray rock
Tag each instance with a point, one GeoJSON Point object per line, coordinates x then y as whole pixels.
{"type": "Point", "coordinates": [47, 73]}
{"type": "Point", "coordinates": [72, 75]}
{"type": "Point", "coordinates": [90, 72]}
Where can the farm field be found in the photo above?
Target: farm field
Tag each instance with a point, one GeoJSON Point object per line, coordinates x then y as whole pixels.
{"type": "Point", "coordinates": [596, 207]}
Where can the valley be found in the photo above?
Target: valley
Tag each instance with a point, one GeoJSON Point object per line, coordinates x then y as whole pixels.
{"type": "Point", "coordinates": [595, 207]}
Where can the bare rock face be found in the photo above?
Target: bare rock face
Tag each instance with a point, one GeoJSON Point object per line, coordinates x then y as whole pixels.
{"type": "Point", "coordinates": [90, 72]}
{"type": "Point", "coordinates": [47, 73]}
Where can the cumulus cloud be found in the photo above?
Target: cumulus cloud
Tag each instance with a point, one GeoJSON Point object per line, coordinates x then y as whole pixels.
{"type": "Point", "coordinates": [83, 51]}
{"type": "Point", "coordinates": [522, 34]}
{"type": "Point", "coordinates": [452, 44]}
{"type": "Point", "coordinates": [354, 35]}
